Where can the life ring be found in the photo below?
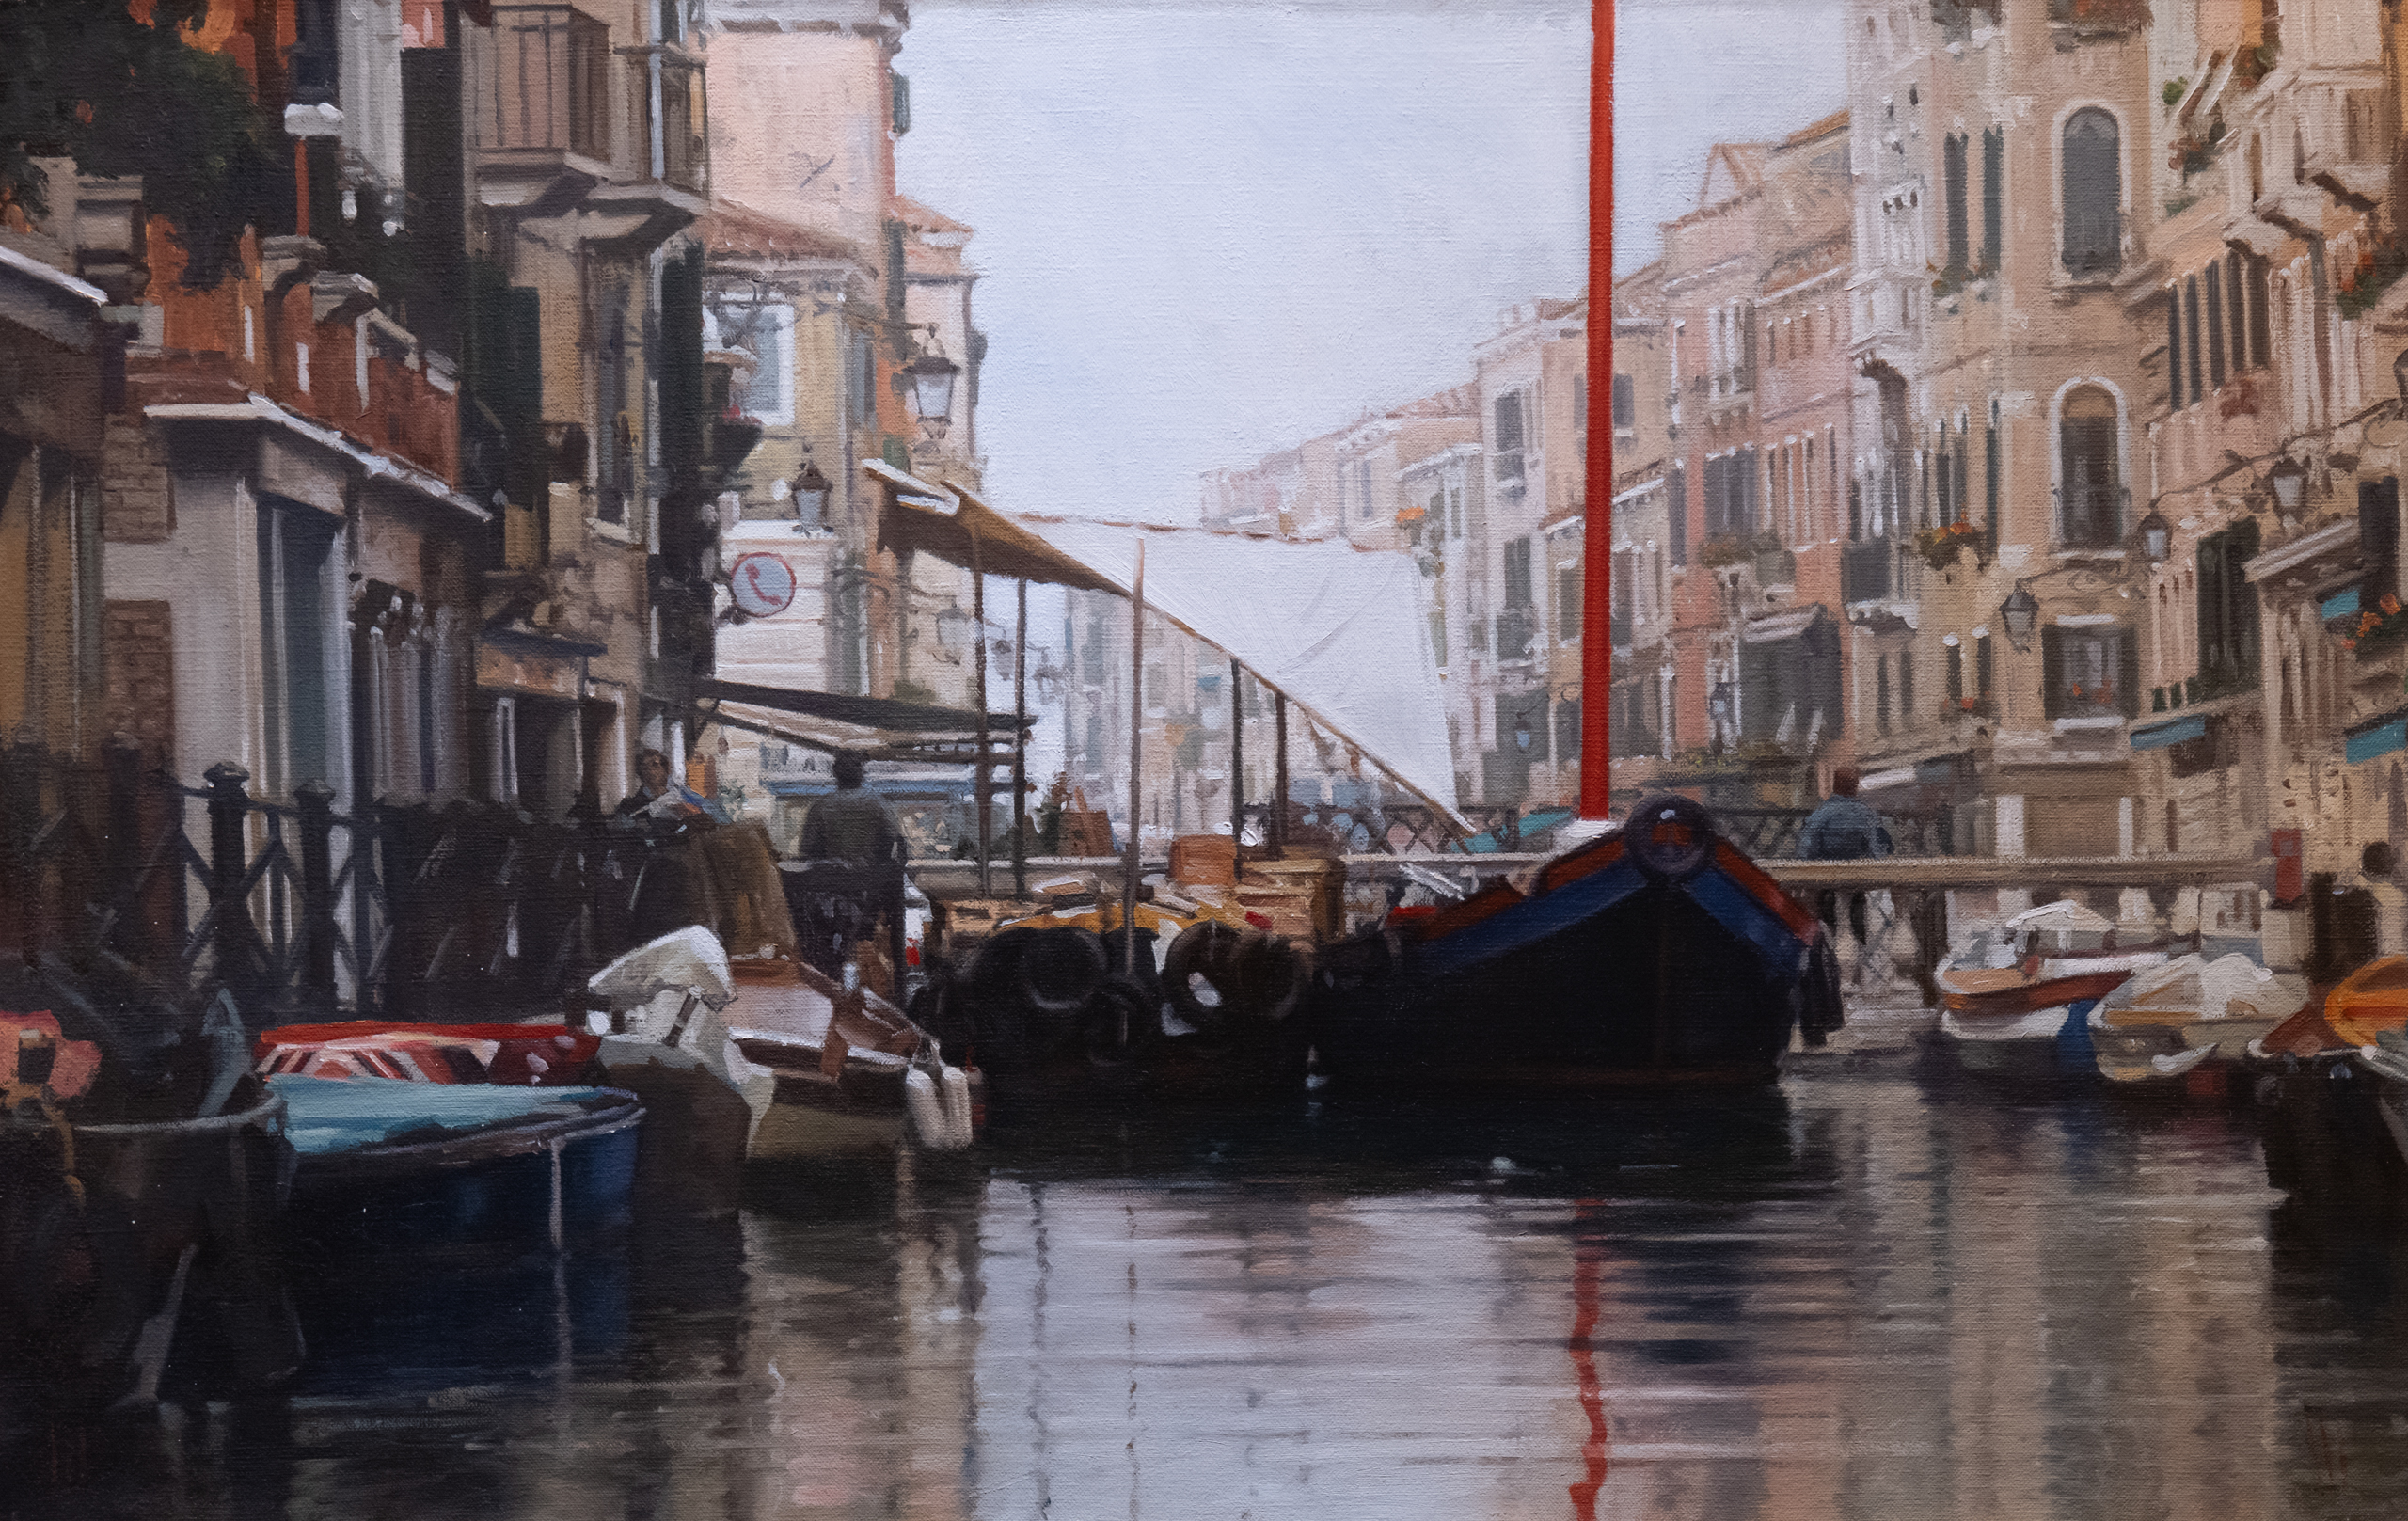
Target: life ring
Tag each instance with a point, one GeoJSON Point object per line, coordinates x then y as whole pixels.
{"type": "Point", "coordinates": [1198, 974]}
{"type": "Point", "coordinates": [1272, 975]}
{"type": "Point", "coordinates": [1669, 837]}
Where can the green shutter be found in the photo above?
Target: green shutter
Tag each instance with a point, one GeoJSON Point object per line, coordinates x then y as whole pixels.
{"type": "Point", "coordinates": [901, 94]}
{"type": "Point", "coordinates": [2128, 674]}
{"type": "Point", "coordinates": [2053, 666]}
{"type": "Point", "coordinates": [895, 287]}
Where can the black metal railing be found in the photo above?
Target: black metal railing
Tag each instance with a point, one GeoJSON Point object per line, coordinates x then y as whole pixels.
{"type": "Point", "coordinates": [301, 911]}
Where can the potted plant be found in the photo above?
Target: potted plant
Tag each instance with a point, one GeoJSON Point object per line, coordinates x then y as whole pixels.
{"type": "Point", "coordinates": [2376, 629]}
{"type": "Point", "coordinates": [1940, 546]}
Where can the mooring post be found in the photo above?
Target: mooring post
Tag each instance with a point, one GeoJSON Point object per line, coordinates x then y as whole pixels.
{"type": "Point", "coordinates": [121, 769]}
{"type": "Point", "coordinates": [230, 806]}
{"type": "Point", "coordinates": [316, 801]}
{"type": "Point", "coordinates": [1237, 771]}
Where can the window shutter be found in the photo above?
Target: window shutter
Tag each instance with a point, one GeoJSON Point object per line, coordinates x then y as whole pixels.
{"type": "Point", "coordinates": [2174, 349]}
{"type": "Point", "coordinates": [2241, 621]}
{"type": "Point", "coordinates": [2379, 538]}
{"type": "Point", "coordinates": [1676, 496]}
{"type": "Point", "coordinates": [2052, 671]}
{"type": "Point", "coordinates": [1952, 160]}
{"type": "Point", "coordinates": [1993, 195]}
{"type": "Point", "coordinates": [902, 103]}
{"type": "Point", "coordinates": [2128, 673]}
{"type": "Point", "coordinates": [1956, 674]}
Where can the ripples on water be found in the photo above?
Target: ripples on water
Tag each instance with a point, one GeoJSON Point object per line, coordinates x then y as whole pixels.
{"type": "Point", "coordinates": [1851, 1298]}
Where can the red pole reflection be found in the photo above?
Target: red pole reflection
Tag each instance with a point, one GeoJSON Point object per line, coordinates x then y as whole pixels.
{"type": "Point", "coordinates": [1588, 1262]}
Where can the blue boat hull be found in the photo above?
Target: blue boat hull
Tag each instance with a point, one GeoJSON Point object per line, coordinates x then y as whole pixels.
{"type": "Point", "coordinates": [1614, 970]}
{"type": "Point", "coordinates": [541, 1181]}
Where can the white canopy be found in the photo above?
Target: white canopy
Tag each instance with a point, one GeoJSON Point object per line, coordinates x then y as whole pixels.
{"type": "Point", "coordinates": [1341, 632]}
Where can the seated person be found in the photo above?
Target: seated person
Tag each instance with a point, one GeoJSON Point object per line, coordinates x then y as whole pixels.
{"type": "Point", "coordinates": [658, 798]}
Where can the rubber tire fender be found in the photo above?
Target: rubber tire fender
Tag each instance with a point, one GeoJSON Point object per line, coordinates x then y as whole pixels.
{"type": "Point", "coordinates": [1274, 976]}
{"type": "Point", "coordinates": [1206, 948]}
{"type": "Point", "coordinates": [1057, 970]}
{"type": "Point", "coordinates": [1116, 998]}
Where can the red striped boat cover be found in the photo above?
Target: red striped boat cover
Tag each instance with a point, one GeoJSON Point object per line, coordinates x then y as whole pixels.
{"type": "Point", "coordinates": [519, 1055]}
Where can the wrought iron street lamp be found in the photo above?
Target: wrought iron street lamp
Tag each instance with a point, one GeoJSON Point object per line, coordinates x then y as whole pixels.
{"type": "Point", "coordinates": [2289, 479]}
{"type": "Point", "coordinates": [2020, 614]}
{"type": "Point", "coordinates": [2156, 537]}
{"type": "Point", "coordinates": [931, 377]}
{"type": "Point", "coordinates": [810, 490]}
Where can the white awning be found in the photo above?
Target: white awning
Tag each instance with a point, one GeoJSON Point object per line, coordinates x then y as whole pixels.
{"type": "Point", "coordinates": [1781, 626]}
{"type": "Point", "coordinates": [1343, 633]}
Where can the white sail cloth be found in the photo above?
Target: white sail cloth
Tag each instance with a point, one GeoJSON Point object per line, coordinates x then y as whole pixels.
{"type": "Point", "coordinates": [1343, 633]}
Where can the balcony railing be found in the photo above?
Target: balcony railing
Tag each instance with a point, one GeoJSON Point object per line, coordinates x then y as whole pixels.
{"type": "Point", "coordinates": [680, 139]}
{"type": "Point", "coordinates": [1867, 570]}
{"type": "Point", "coordinates": [539, 82]}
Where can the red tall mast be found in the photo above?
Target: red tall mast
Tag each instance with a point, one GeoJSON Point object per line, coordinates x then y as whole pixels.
{"type": "Point", "coordinates": [1597, 614]}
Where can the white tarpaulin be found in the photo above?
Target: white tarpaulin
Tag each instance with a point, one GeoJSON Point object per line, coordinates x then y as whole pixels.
{"type": "Point", "coordinates": [1341, 632]}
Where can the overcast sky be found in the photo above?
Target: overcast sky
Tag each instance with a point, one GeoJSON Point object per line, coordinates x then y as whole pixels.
{"type": "Point", "coordinates": [1209, 232]}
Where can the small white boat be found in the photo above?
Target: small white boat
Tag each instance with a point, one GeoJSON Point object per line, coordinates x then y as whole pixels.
{"type": "Point", "coordinates": [2169, 1021]}
{"type": "Point", "coordinates": [2016, 997]}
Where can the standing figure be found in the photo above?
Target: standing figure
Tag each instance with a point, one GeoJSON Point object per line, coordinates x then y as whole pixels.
{"type": "Point", "coordinates": [1843, 828]}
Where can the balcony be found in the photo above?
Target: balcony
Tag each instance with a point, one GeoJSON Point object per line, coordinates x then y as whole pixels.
{"type": "Point", "coordinates": [1868, 571]}
{"type": "Point", "coordinates": [538, 84]}
{"type": "Point", "coordinates": [561, 123]}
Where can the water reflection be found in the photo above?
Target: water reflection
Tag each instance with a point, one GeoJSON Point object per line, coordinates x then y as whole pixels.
{"type": "Point", "coordinates": [1856, 1298]}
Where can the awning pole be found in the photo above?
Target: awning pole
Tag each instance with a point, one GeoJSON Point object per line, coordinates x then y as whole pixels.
{"type": "Point", "coordinates": [985, 775]}
{"type": "Point", "coordinates": [1237, 770]}
{"type": "Point", "coordinates": [1279, 775]}
{"type": "Point", "coordinates": [1136, 757]}
{"type": "Point", "coordinates": [1020, 750]}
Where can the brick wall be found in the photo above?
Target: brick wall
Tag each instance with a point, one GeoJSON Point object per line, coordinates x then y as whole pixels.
{"type": "Point", "coordinates": [136, 504]}
{"type": "Point", "coordinates": [140, 667]}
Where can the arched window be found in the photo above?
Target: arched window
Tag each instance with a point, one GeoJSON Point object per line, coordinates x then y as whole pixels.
{"type": "Point", "coordinates": [2090, 514]}
{"type": "Point", "coordinates": [2093, 194]}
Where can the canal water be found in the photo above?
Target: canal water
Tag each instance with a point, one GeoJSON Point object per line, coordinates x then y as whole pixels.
{"type": "Point", "coordinates": [1863, 1295]}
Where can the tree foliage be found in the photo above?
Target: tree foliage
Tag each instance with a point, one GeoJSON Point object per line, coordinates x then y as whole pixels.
{"type": "Point", "coordinates": [122, 95]}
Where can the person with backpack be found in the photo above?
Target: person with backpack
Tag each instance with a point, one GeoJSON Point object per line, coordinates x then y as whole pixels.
{"type": "Point", "coordinates": [1843, 828]}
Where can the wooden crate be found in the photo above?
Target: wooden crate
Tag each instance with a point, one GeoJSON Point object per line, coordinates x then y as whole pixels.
{"type": "Point", "coordinates": [1317, 882]}
{"type": "Point", "coordinates": [1204, 860]}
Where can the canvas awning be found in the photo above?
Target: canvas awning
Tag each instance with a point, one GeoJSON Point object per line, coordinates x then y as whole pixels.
{"type": "Point", "coordinates": [879, 728]}
{"type": "Point", "coordinates": [1341, 632]}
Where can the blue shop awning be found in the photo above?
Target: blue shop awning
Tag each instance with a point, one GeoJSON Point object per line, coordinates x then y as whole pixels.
{"type": "Point", "coordinates": [2341, 604]}
{"type": "Point", "coordinates": [2379, 737]}
{"type": "Point", "coordinates": [2159, 736]}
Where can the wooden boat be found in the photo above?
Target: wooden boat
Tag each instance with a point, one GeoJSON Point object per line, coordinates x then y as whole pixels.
{"type": "Point", "coordinates": [822, 1070]}
{"type": "Point", "coordinates": [2016, 999]}
{"type": "Point", "coordinates": [848, 1073]}
{"type": "Point", "coordinates": [1658, 953]}
{"type": "Point", "coordinates": [2333, 1115]}
{"type": "Point", "coordinates": [389, 1164]}
{"type": "Point", "coordinates": [123, 1238]}
{"type": "Point", "coordinates": [2187, 1025]}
